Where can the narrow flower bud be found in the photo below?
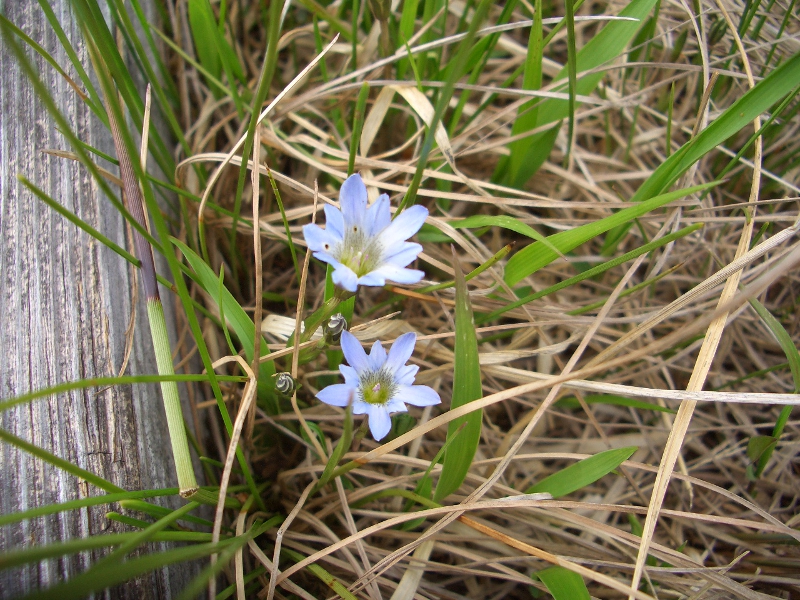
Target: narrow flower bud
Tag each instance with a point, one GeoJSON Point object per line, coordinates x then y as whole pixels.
{"type": "Point", "coordinates": [285, 384]}
{"type": "Point", "coordinates": [333, 328]}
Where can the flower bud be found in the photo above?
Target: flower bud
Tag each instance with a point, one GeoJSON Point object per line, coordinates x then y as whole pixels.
{"type": "Point", "coordinates": [332, 329]}
{"type": "Point", "coordinates": [284, 384]}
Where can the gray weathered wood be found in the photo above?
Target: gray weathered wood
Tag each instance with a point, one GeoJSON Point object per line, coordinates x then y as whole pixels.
{"type": "Point", "coordinates": [65, 301]}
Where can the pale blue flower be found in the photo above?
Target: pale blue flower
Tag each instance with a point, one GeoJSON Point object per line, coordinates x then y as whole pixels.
{"type": "Point", "coordinates": [365, 246]}
{"type": "Point", "coordinates": [378, 384]}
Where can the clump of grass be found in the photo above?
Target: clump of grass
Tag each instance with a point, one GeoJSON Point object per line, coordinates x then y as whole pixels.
{"type": "Point", "coordinates": [641, 161]}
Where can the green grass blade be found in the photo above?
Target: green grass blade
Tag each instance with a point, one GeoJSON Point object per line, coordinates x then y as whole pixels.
{"type": "Point", "coordinates": [607, 44]}
{"type": "Point", "coordinates": [454, 70]}
{"type": "Point", "coordinates": [498, 256]}
{"type": "Point", "coordinates": [762, 455]}
{"type": "Point", "coordinates": [572, 70]}
{"type": "Point", "coordinates": [62, 464]}
{"type": "Point", "coordinates": [506, 222]}
{"type": "Point", "coordinates": [342, 445]}
{"type": "Point", "coordinates": [156, 78]}
{"type": "Point", "coordinates": [77, 221]}
{"type": "Point", "coordinates": [139, 539]}
{"type": "Point", "coordinates": [199, 583]}
{"type": "Point", "coordinates": [405, 31]}
{"type": "Point", "coordinates": [238, 319]}
{"type": "Point", "coordinates": [157, 512]}
{"type": "Point", "coordinates": [104, 381]}
{"type": "Point", "coordinates": [466, 388]}
{"type": "Point", "coordinates": [119, 573]}
{"type": "Point", "coordinates": [52, 509]}
{"type": "Point", "coordinates": [35, 554]}
{"type": "Point", "coordinates": [53, 63]}
{"type": "Point", "coordinates": [54, 23]}
{"type": "Point", "coordinates": [760, 98]}
{"type": "Point", "coordinates": [563, 584]}
{"type": "Point", "coordinates": [582, 473]}
{"type": "Point", "coordinates": [332, 582]}
{"type": "Point", "coordinates": [532, 258]}
{"type": "Point", "coordinates": [358, 125]}
{"type": "Point", "coordinates": [203, 26]}
{"type": "Point", "coordinates": [627, 292]}
{"type": "Point", "coordinates": [333, 21]}
{"type": "Point", "coordinates": [264, 83]}
{"type": "Point", "coordinates": [572, 402]}
{"type": "Point", "coordinates": [594, 271]}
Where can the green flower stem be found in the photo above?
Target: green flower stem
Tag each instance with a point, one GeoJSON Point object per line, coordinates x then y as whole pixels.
{"type": "Point", "coordinates": [172, 402]}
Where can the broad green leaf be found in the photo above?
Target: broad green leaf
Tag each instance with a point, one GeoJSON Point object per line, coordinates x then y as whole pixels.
{"type": "Point", "coordinates": [563, 584]}
{"type": "Point", "coordinates": [466, 388]}
{"type": "Point", "coordinates": [582, 473]}
{"type": "Point", "coordinates": [529, 153]}
{"type": "Point", "coordinates": [535, 256]}
{"type": "Point", "coordinates": [235, 315]}
{"type": "Point", "coordinates": [572, 402]}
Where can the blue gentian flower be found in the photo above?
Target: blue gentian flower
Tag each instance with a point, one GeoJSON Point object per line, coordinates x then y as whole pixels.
{"type": "Point", "coordinates": [378, 384]}
{"type": "Point", "coordinates": [365, 246]}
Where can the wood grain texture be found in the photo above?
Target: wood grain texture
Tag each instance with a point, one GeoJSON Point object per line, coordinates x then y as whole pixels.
{"type": "Point", "coordinates": [65, 303]}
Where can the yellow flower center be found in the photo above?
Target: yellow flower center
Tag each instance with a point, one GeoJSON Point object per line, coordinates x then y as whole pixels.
{"type": "Point", "coordinates": [377, 387]}
{"type": "Point", "coordinates": [361, 254]}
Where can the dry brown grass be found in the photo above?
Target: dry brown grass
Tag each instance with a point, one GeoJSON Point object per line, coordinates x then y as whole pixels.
{"type": "Point", "coordinates": [718, 535]}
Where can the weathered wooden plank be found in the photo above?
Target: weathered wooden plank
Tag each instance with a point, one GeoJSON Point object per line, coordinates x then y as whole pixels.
{"type": "Point", "coordinates": [65, 302]}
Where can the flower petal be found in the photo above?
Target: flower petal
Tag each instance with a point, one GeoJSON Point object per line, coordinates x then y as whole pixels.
{"type": "Point", "coordinates": [344, 277]}
{"type": "Point", "coordinates": [396, 405]}
{"type": "Point", "coordinates": [373, 278]}
{"type": "Point", "coordinates": [350, 375]}
{"type": "Point", "coordinates": [402, 227]}
{"type": "Point", "coordinates": [354, 353]}
{"type": "Point", "coordinates": [360, 407]}
{"type": "Point", "coordinates": [353, 199]}
{"type": "Point", "coordinates": [380, 423]}
{"type": "Point", "coordinates": [338, 394]}
{"type": "Point", "coordinates": [401, 351]}
{"type": "Point", "coordinates": [377, 356]}
{"type": "Point", "coordinates": [378, 216]}
{"type": "Point", "coordinates": [320, 240]}
{"type": "Point", "coordinates": [405, 375]}
{"type": "Point", "coordinates": [396, 274]}
{"type": "Point", "coordinates": [327, 258]}
{"type": "Point", "coordinates": [334, 221]}
{"type": "Point", "coordinates": [407, 254]}
{"type": "Point", "coordinates": [417, 395]}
